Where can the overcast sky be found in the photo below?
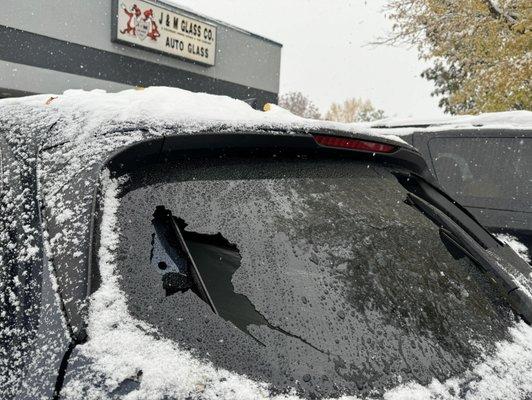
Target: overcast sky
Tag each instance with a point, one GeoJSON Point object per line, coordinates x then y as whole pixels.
{"type": "Point", "coordinates": [326, 51]}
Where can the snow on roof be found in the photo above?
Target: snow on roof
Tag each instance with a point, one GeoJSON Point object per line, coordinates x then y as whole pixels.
{"type": "Point", "coordinates": [94, 111]}
{"type": "Point", "coordinates": [498, 120]}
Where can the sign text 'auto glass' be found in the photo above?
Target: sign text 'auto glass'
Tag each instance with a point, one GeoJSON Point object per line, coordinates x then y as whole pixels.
{"type": "Point", "coordinates": [143, 24]}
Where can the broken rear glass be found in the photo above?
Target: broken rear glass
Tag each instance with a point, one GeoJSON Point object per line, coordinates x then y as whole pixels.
{"type": "Point", "coordinates": [312, 274]}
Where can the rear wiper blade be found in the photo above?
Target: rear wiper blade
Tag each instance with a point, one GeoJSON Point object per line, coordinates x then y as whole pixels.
{"type": "Point", "coordinates": [193, 268]}
{"type": "Point", "coordinates": [440, 200]}
{"type": "Point", "coordinates": [520, 301]}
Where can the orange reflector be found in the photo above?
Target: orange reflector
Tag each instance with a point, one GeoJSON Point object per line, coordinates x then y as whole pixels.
{"type": "Point", "coordinates": [353, 144]}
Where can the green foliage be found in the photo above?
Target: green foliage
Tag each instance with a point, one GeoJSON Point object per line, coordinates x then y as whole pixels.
{"type": "Point", "coordinates": [481, 50]}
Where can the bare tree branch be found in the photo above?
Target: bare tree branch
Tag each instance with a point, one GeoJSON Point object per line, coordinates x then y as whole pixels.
{"type": "Point", "coordinates": [496, 11]}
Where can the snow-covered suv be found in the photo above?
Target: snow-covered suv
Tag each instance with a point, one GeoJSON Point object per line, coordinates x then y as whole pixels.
{"type": "Point", "coordinates": [160, 244]}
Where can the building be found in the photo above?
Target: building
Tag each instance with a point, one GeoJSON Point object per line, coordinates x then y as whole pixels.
{"type": "Point", "coordinates": [48, 47]}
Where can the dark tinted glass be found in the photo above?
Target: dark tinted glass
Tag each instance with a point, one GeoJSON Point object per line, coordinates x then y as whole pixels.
{"type": "Point", "coordinates": [485, 172]}
{"type": "Point", "coordinates": [324, 278]}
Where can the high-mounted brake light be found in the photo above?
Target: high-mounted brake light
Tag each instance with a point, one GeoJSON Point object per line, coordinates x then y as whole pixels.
{"type": "Point", "coordinates": [354, 144]}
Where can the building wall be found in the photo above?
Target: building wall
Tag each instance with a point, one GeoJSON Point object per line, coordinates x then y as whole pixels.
{"type": "Point", "coordinates": [74, 38]}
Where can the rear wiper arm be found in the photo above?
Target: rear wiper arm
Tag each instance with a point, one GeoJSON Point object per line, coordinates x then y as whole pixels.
{"type": "Point", "coordinates": [438, 199]}
{"type": "Point", "coordinates": [193, 268]}
{"type": "Point", "coordinates": [518, 299]}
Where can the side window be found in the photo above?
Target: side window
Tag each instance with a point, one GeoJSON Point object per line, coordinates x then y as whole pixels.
{"type": "Point", "coordinates": [485, 172]}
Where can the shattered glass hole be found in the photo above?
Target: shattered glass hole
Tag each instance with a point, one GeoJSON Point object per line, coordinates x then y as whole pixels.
{"type": "Point", "coordinates": [206, 264]}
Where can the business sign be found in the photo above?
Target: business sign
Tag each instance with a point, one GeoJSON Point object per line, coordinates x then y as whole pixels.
{"type": "Point", "coordinates": [142, 23]}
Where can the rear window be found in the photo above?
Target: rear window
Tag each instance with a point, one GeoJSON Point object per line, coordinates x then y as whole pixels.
{"type": "Point", "coordinates": [320, 278]}
{"type": "Point", "coordinates": [485, 172]}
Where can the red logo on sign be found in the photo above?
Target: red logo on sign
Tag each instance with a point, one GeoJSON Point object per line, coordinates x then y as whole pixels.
{"type": "Point", "coordinates": [139, 24]}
